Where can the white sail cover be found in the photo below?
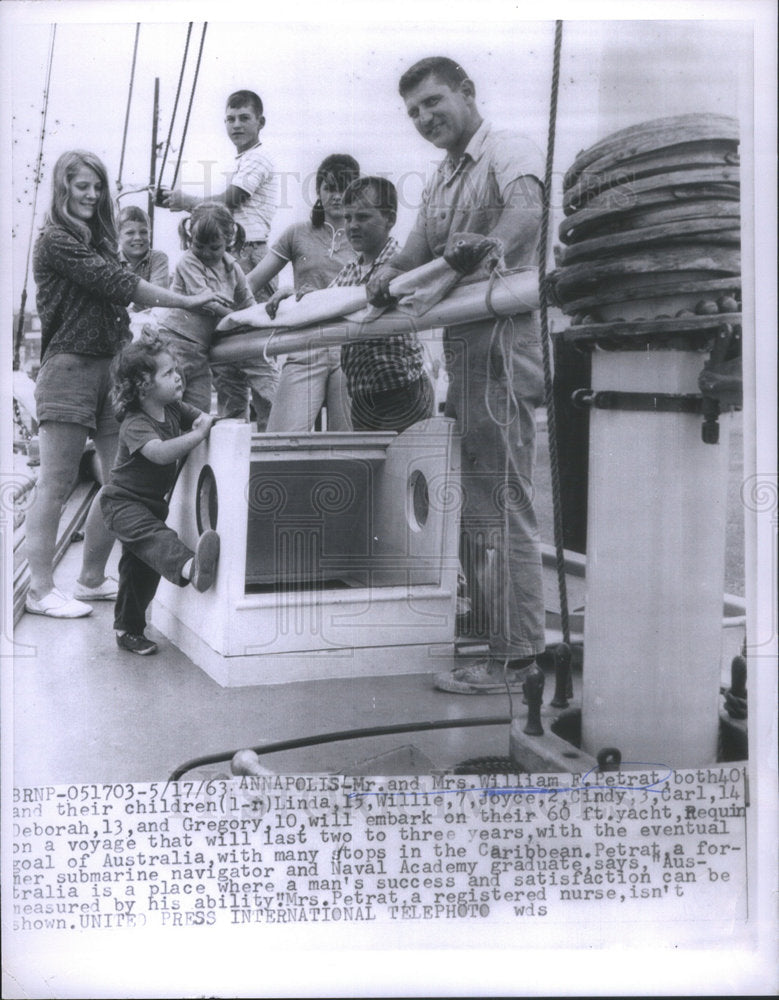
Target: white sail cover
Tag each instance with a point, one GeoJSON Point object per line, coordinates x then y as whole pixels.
{"type": "Point", "coordinates": [415, 290]}
{"type": "Point", "coordinates": [503, 294]}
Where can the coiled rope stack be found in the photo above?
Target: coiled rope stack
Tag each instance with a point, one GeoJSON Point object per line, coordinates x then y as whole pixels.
{"type": "Point", "coordinates": [652, 233]}
{"type": "Point", "coordinates": [650, 275]}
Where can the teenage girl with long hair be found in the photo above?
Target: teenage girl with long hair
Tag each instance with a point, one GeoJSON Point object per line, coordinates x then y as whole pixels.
{"type": "Point", "coordinates": [82, 296]}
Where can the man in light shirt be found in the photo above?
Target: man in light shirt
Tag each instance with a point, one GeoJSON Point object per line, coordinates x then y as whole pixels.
{"type": "Point", "coordinates": [488, 184]}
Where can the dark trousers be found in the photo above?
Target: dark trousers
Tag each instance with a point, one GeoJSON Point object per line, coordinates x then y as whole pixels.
{"type": "Point", "coordinates": [149, 550]}
{"type": "Point", "coordinates": [393, 409]}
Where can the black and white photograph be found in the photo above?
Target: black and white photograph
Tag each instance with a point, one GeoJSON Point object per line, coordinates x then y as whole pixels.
{"type": "Point", "coordinates": [389, 499]}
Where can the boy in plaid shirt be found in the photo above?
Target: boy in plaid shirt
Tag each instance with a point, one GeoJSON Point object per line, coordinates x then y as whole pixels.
{"type": "Point", "coordinates": [387, 383]}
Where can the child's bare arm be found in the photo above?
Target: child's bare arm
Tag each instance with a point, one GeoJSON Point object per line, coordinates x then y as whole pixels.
{"type": "Point", "coordinates": [220, 310]}
{"type": "Point", "coordinates": [165, 452]}
{"type": "Point", "coordinates": [191, 279]}
{"type": "Point", "coordinates": [265, 271]}
{"type": "Point", "coordinates": [175, 200]}
{"type": "Point", "coordinates": [147, 295]}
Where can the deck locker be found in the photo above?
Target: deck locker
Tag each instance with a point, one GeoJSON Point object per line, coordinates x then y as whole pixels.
{"type": "Point", "coordinates": [330, 542]}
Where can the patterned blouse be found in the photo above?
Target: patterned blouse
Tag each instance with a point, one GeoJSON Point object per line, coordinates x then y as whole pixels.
{"type": "Point", "coordinates": [82, 295]}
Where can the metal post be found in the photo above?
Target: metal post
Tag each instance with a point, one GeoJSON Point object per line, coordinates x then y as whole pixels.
{"type": "Point", "coordinates": [153, 161]}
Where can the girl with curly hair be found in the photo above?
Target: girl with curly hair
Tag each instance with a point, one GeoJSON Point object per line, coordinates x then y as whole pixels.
{"type": "Point", "coordinates": [157, 430]}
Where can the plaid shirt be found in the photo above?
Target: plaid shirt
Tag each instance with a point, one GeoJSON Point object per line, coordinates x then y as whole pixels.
{"type": "Point", "coordinates": [382, 364]}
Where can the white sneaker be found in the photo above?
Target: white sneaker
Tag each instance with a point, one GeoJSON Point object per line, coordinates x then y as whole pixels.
{"type": "Point", "coordinates": [55, 604]}
{"type": "Point", "coordinates": [105, 591]}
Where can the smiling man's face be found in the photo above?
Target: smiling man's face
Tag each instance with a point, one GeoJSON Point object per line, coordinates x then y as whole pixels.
{"type": "Point", "coordinates": [445, 117]}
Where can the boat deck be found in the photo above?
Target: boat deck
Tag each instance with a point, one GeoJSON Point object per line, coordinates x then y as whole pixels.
{"type": "Point", "coordinates": [85, 711]}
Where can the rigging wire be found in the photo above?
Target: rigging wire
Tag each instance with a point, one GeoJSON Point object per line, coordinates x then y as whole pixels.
{"type": "Point", "coordinates": [189, 106]}
{"type": "Point", "coordinates": [129, 102]}
{"type": "Point", "coordinates": [548, 386]}
{"type": "Point", "coordinates": [175, 106]}
{"type": "Point", "coordinates": [36, 184]}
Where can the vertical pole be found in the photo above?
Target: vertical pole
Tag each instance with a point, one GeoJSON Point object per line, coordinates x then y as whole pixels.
{"type": "Point", "coordinates": [19, 334]}
{"type": "Point", "coordinates": [655, 569]}
{"type": "Point", "coordinates": [153, 161]}
{"type": "Point", "coordinates": [549, 402]}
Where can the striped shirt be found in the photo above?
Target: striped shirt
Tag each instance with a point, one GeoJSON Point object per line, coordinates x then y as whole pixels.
{"type": "Point", "coordinates": [386, 362]}
{"type": "Point", "coordinates": [254, 174]}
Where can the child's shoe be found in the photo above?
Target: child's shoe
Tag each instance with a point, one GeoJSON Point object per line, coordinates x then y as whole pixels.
{"type": "Point", "coordinates": [205, 561]}
{"type": "Point", "coordinates": [136, 643]}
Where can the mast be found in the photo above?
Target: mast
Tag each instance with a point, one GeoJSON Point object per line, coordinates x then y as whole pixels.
{"type": "Point", "coordinates": [153, 161]}
{"type": "Point", "coordinates": [19, 333]}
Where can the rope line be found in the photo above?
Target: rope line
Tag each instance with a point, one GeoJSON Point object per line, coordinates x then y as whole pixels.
{"type": "Point", "coordinates": [265, 356]}
{"type": "Point", "coordinates": [127, 112]}
{"type": "Point", "coordinates": [189, 106]}
{"type": "Point", "coordinates": [488, 296]}
{"type": "Point", "coordinates": [175, 105]}
{"type": "Point", "coordinates": [498, 330]}
{"type": "Point", "coordinates": [337, 737]}
{"type": "Point", "coordinates": [36, 184]}
{"type": "Point", "coordinates": [548, 388]}
{"type": "Point", "coordinates": [508, 358]}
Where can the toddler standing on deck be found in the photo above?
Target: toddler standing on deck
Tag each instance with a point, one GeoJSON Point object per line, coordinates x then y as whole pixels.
{"type": "Point", "coordinates": [157, 429]}
{"type": "Point", "coordinates": [210, 232]}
